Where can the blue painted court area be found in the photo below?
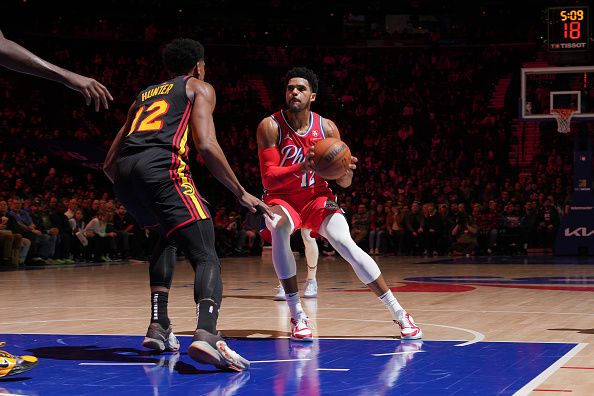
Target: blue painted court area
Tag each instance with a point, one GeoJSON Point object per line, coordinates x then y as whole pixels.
{"type": "Point", "coordinates": [116, 365]}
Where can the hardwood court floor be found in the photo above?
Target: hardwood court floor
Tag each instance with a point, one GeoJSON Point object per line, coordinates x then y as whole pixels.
{"type": "Point", "coordinates": [473, 300]}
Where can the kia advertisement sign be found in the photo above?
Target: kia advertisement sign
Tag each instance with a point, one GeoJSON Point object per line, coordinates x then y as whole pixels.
{"type": "Point", "coordinates": [576, 232]}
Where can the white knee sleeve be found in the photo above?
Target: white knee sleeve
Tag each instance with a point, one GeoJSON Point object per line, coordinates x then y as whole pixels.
{"type": "Point", "coordinates": [336, 230]}
{"type": "Point", "coordinates": [282, 256]}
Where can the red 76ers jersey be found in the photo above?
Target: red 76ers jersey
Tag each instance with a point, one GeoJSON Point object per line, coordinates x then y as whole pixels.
{"type": "Point", "coordinates": [293, 146]}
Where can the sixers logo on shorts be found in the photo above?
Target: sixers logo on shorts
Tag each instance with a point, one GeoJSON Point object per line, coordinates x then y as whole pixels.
{"type": "Point", "coordinates": [331, 205]}
{"type": "Point", "coordinates": [188, 189]}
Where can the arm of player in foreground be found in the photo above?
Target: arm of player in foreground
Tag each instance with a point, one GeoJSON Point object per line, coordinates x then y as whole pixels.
{"type": "Point", "coordinates": [116, 146]}
{"type": "Point", "coordinates": [204, 134]}
{"type": "Point", "coordinates": [18, 58]}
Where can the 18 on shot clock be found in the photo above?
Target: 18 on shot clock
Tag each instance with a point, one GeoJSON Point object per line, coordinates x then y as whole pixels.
{"type": "Point", "coordinates": [569, 28]}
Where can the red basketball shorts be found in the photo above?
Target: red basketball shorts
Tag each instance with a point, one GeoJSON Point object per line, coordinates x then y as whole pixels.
{"type": "Point", "coordinates": [304, 209]}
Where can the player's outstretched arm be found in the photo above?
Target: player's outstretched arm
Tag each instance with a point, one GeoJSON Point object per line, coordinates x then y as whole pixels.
{"type": "Point", "coordinates": [332, 131]}
{"type": "Point", "coordinates": [205, 138]}
{"type": "Point", "coordinates": [17, 58]}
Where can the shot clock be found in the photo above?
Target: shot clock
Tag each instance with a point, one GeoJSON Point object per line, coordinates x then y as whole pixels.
{"type": "Point", "coordinates": [569, 28]}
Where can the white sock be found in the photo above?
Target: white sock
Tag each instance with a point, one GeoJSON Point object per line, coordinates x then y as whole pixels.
{"type": "Point", "coordinates": [392, 304]}
{"type": "Point", "coordinates": [295, 307]}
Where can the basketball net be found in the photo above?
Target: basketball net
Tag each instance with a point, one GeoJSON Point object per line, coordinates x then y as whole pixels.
{"type": "Point", "coordinates": [563, 117]}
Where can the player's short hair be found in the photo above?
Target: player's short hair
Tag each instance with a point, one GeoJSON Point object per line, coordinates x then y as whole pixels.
{"type": "Point", "coordinates": [181, 55]}
{"type": "Point", "coordinates": [306, 74]}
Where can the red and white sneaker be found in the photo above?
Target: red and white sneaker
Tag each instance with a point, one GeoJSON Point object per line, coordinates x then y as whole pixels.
{"type": "Point", "coordinates": [408, 329]}
{"type": "Point", "coordinates": [301, 330]}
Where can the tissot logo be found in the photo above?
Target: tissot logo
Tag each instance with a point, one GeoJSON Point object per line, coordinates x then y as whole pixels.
{"type": "Point", "coordinates": [578, 232]}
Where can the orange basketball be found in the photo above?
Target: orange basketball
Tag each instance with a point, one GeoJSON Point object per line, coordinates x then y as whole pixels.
{"type": "Point", "coordinates": [332, 158]}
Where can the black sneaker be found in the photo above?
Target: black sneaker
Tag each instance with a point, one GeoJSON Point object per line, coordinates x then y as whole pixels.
{"type": "Point", "coordinates": [160, 339]}
{"type": "Point", "coordinates": [211, 349]}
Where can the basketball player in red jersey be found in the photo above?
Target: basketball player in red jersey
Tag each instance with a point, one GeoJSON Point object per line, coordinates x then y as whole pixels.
{"type": "Point", "coordinates": [299, 198]}
{"type": "Point", "coordinates": [15, 57]}
{"type": "Point", "coordinates": [148, 164]}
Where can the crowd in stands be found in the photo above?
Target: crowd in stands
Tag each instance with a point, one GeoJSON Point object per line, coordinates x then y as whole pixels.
{"type": "Point", "coordinates": [433, 176]}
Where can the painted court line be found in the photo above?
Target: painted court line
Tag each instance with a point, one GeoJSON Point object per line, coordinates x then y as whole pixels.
{"type": "Point", "coordinates": [277, 361]}
{"type": "Point", "coordinates": [478, 337]}
{"type": "Point", "coordinates": [117, 364]}
{"type": "Point", "coordinates": [326, 369]}
{"type": "Point", "coordinates": [395, 353]}
{"type": "Point", "coordinates": [542, 377]}
{"type": "Point", "coordinates": [578, 368]}
{"type": "Point", "coordinates": [11, 394]}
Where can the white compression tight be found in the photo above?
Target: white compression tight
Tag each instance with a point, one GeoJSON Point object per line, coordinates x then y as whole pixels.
{"type": "Point", "coordinates": [336, 230]}
{"type": "Point", "coordinates": [282, 256]}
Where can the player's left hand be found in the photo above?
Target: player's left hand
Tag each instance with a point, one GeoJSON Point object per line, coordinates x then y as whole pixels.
{"type": "Point", "coordinates": [347, 179]}
{"type": "Point", "coordinates": [352, 165]}
{"type": "Point", "coordinates": [255, 205]}
{"type": "Point", "coordinates": [91, 89]}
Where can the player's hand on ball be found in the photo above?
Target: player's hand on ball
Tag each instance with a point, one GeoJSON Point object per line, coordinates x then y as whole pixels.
{"type": "Point", "coordinates": [308, 163]}
{"type": "Point", "coordinates": [354, 160]}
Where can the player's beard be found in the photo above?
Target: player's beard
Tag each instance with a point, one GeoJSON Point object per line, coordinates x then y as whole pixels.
{"type": "Point", "coordinates": [296, 107]}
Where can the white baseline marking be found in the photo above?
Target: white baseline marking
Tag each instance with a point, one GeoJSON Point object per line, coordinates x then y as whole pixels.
{"type": "Point", "coordinates": [325, 369]}
{"type": "Point", "coordinates": [542, 377]}
{"type": "Point", "coordinates": [10, 394]}
{"type": "Point", "coordinates": [276, 361]}
{"type": "Point", "coordinates": [117, 364]}
{"type": "Point", "coordinates": [395, 353]}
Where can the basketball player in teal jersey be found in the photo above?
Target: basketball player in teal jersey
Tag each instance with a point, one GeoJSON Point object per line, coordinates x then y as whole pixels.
{"type": "Point", "coordinates": [148, 162]}
{"type": "Point", "coordinates": [299, 198]}
{"type": "Point", "coordinates": [15, 57]}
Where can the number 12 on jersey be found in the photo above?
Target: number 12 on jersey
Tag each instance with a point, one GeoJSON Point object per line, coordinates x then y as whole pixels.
{"type": "Point", "coordinates": [152, 121]}
{"type": "Point", "coordinates": [308, 179]}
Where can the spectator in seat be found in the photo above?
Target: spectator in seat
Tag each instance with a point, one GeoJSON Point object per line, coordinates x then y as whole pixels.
{"type": "Point", "coordinates": [548, 223]}
{"type": "Point", "coordinates": [433, 230]}
{"type": "Point", "coordinates": [27, 229]}
{"type": "Point", "coordinates": [512, 231]}
{"type": "Point", "coordinates": [99, 239]}
{"type": "Point", "coordinates": [377, 229]}
{"type": "Point", "coordinates": [78, 237]}
{"type": "Point", "coordinates": [487, 226]}
{"type": "Point", "coordinates": [251, 227]}
{"type": "Point", "coordinates": [59, 221]}
{"type": "Point", "coordinates": [465, 236]}
{"type": "Point", "coordinates": [395, 222]}
{"type": "Point", "coordinates": [11, 241]}
{"type": "Point", "coordinates": [123, 226]}
{"type": "Point", "coordinates": [360, 225]}
{"type": "Point", "coordinates": [415, 226]}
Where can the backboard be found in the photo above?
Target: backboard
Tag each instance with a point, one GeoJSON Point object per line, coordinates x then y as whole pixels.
{"type": "Point", "coordinates": [546, 88]}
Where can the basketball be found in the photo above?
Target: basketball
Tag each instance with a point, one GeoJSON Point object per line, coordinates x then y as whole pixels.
{"type": "Point", "coordinates": [332, 158]}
